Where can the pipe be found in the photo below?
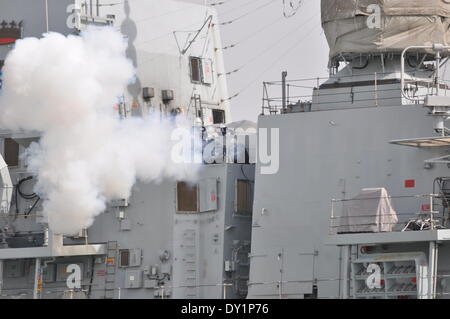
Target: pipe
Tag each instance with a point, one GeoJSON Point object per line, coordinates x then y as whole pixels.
{"type": "Point", "coordinates": [431, 269]}
{"type": "Point", "coordinates": [1, 276]}
{"type": "Point", "coordinates": [37, 280]}
{"type": "Point", "coordinates": [283, 92]}
{"type": "Point", "coordinates": [346, 271]}
{"type": "Point", "coordinates": [6, 187]}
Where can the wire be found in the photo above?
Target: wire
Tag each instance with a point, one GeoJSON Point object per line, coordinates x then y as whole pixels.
{"type": "Point", "coordinates": [247, 13]}
{"type": "Point", "coordinates": [110, 4]}
{"type": "Point", "coordinates": [219, 3]}
{"type": "Point", "coordinates": [188, 26]}
{"type": "Point", "coordinates": [207, 22]}
{"type": "Point", "coordinates": [251, 35]}
{"type": "Point", "coordinates": [22, 194]}
{"type": "Point", "coordinates": [268, 48]}
{"type": "Point", "coordinates": [253, 81]}
{"type": "Point", "coordinates": [161, 15]}
{"type": "Point", "coordinates": [26, 196]}
{"type": "Point", "coordinates": [243, 5]}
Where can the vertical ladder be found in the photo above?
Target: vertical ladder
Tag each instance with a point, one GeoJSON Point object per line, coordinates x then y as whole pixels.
{"type": "Point", "coordinates": [111, 263]}
{"type": "Point", "coordinates": [190, 263]}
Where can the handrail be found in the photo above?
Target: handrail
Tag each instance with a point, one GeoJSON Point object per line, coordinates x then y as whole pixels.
{"type": "Point", "coordinates": [435, 47]}
{"type": "Point", "coordinates": [338, 221]}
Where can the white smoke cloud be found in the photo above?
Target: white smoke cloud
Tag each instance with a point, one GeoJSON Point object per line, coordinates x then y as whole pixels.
{"type": "Point", "coordinates": [66, 88]}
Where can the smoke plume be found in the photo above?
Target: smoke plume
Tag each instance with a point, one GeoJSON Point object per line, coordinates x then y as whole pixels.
{"type": "Point", "coordinates": [66, 89]}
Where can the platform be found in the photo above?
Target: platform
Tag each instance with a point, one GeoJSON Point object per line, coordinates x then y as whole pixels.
{"type": "Point", "coordinates": [388, 237]}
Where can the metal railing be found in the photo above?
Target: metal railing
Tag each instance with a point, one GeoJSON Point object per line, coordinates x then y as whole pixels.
{"type": "Point", "coordinates": [415, 212]}
{"type": "Point", "coordinates": [312, 94]}
{"type": "Point", "coordinates": [278, 292]}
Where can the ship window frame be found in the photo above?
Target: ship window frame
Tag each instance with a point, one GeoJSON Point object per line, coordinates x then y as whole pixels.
{"type": "Point", "coordinates": [196, 69]}
{"type": "Point", "coordinates": [11, 152]}
{"type": "Point", "coordinates": [187, 197]}
{"type": "Point", "coordinates": [214, 112]}
{"type": "Point", "coordinates": [122, 253]}
{"type": "Point", "coordinates": [243, 201]}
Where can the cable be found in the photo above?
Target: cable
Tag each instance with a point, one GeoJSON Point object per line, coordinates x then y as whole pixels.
{"type": "Point", "coordinates": [243, 5]}
{"type": "Point", "coordinates": [109, 4]}
{"type": "Point", "coordinates": [188, 26]}
{"type": "Point", "coordinates": [207, 22]}
{"type": "Point", "coordinates": [38, 199]}
{"type": "Point", "coordinates": [251, 35]}
{"type": "Point", "coordinates": [253, 81]}
{"type": "Point", "coordinates": [268, 48]}
{"type": "Point", "coordinates": [247, 13]}
{"type": "Point", "coordinates": [160, 15]}
{"type": "Point", "coordinates": [25, 196]}
{"type": "Point", "coordinates": [22, 194]}
{"type": "Point", "coordinates": [219, 3]}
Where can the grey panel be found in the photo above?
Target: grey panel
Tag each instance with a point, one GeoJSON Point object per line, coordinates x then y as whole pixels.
{"type": "Point", "coordinates": [150, 283]}
{"type": "Point", "coordinates": [133, 279]}
{"type": "Point", "coordinates": [14, 268]}
{"type": "Point", "coordinates": [208, 195]}
{"type": "Point", "coordinates": [135, 257]}
{"type": "Point", "coordinates": [298, 271]}
{"type": "Point", "coordinates": [266, 271]}
{"type": "Point", "coordinates": [125, 224]}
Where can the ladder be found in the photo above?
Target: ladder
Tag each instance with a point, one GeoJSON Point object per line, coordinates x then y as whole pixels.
{"type": "Point", "coordinates": [111, 262]}
{"type": "Point", "coordinates": [190, 263]}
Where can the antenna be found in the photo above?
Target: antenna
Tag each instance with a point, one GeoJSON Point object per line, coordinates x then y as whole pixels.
{"type": "Point", "coordinates": [46, 16]}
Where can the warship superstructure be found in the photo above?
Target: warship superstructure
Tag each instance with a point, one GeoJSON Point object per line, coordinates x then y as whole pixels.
{"type": "Point", "coordinates": [356, 207]}
{"type": "Point", "coordinates": [360, 208]}
{"type": "Point", "coordinates": [170, 239]}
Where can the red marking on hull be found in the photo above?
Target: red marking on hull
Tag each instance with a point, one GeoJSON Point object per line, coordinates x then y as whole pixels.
{"type": "Point", "coordinates": [7, 40]}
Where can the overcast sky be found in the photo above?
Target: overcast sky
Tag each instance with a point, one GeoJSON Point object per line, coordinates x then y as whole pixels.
{"type": "Point", "coordinates": [295, 44]}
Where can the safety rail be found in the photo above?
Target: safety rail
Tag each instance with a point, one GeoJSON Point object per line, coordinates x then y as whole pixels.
{"type": "Point", "coordinates": [166, 291]}
{"type": "Point", "coordinates": [417, 212]}
{"type": "Point", "coordinates": [312, 94]}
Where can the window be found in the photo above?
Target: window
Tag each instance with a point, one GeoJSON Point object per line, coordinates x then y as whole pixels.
{"type": "Point", "coordinates": [218, 116]}
{"type": "Point", "coordinates": [130, 257]}
{"type": "Point", "coordinates": [196, 69]}
{"type": "Point", "coordinates": [243, 197]}
{"type": "Point", "coordinates": [124, 260]}
{"type": "Point", "coordinates": [187, 198]}
{"type": "Point", "coordinates": [11, 152]}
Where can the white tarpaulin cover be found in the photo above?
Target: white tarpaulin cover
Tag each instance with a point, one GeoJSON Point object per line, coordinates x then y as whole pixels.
{"type": "Point", "coordinates": [370, 211]}
{"type": "Point", "coordinates": [403, 23]}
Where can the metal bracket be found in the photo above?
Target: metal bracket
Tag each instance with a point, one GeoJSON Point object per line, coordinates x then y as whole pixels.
{"type": "Point", "coordinates": [439, 160]}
